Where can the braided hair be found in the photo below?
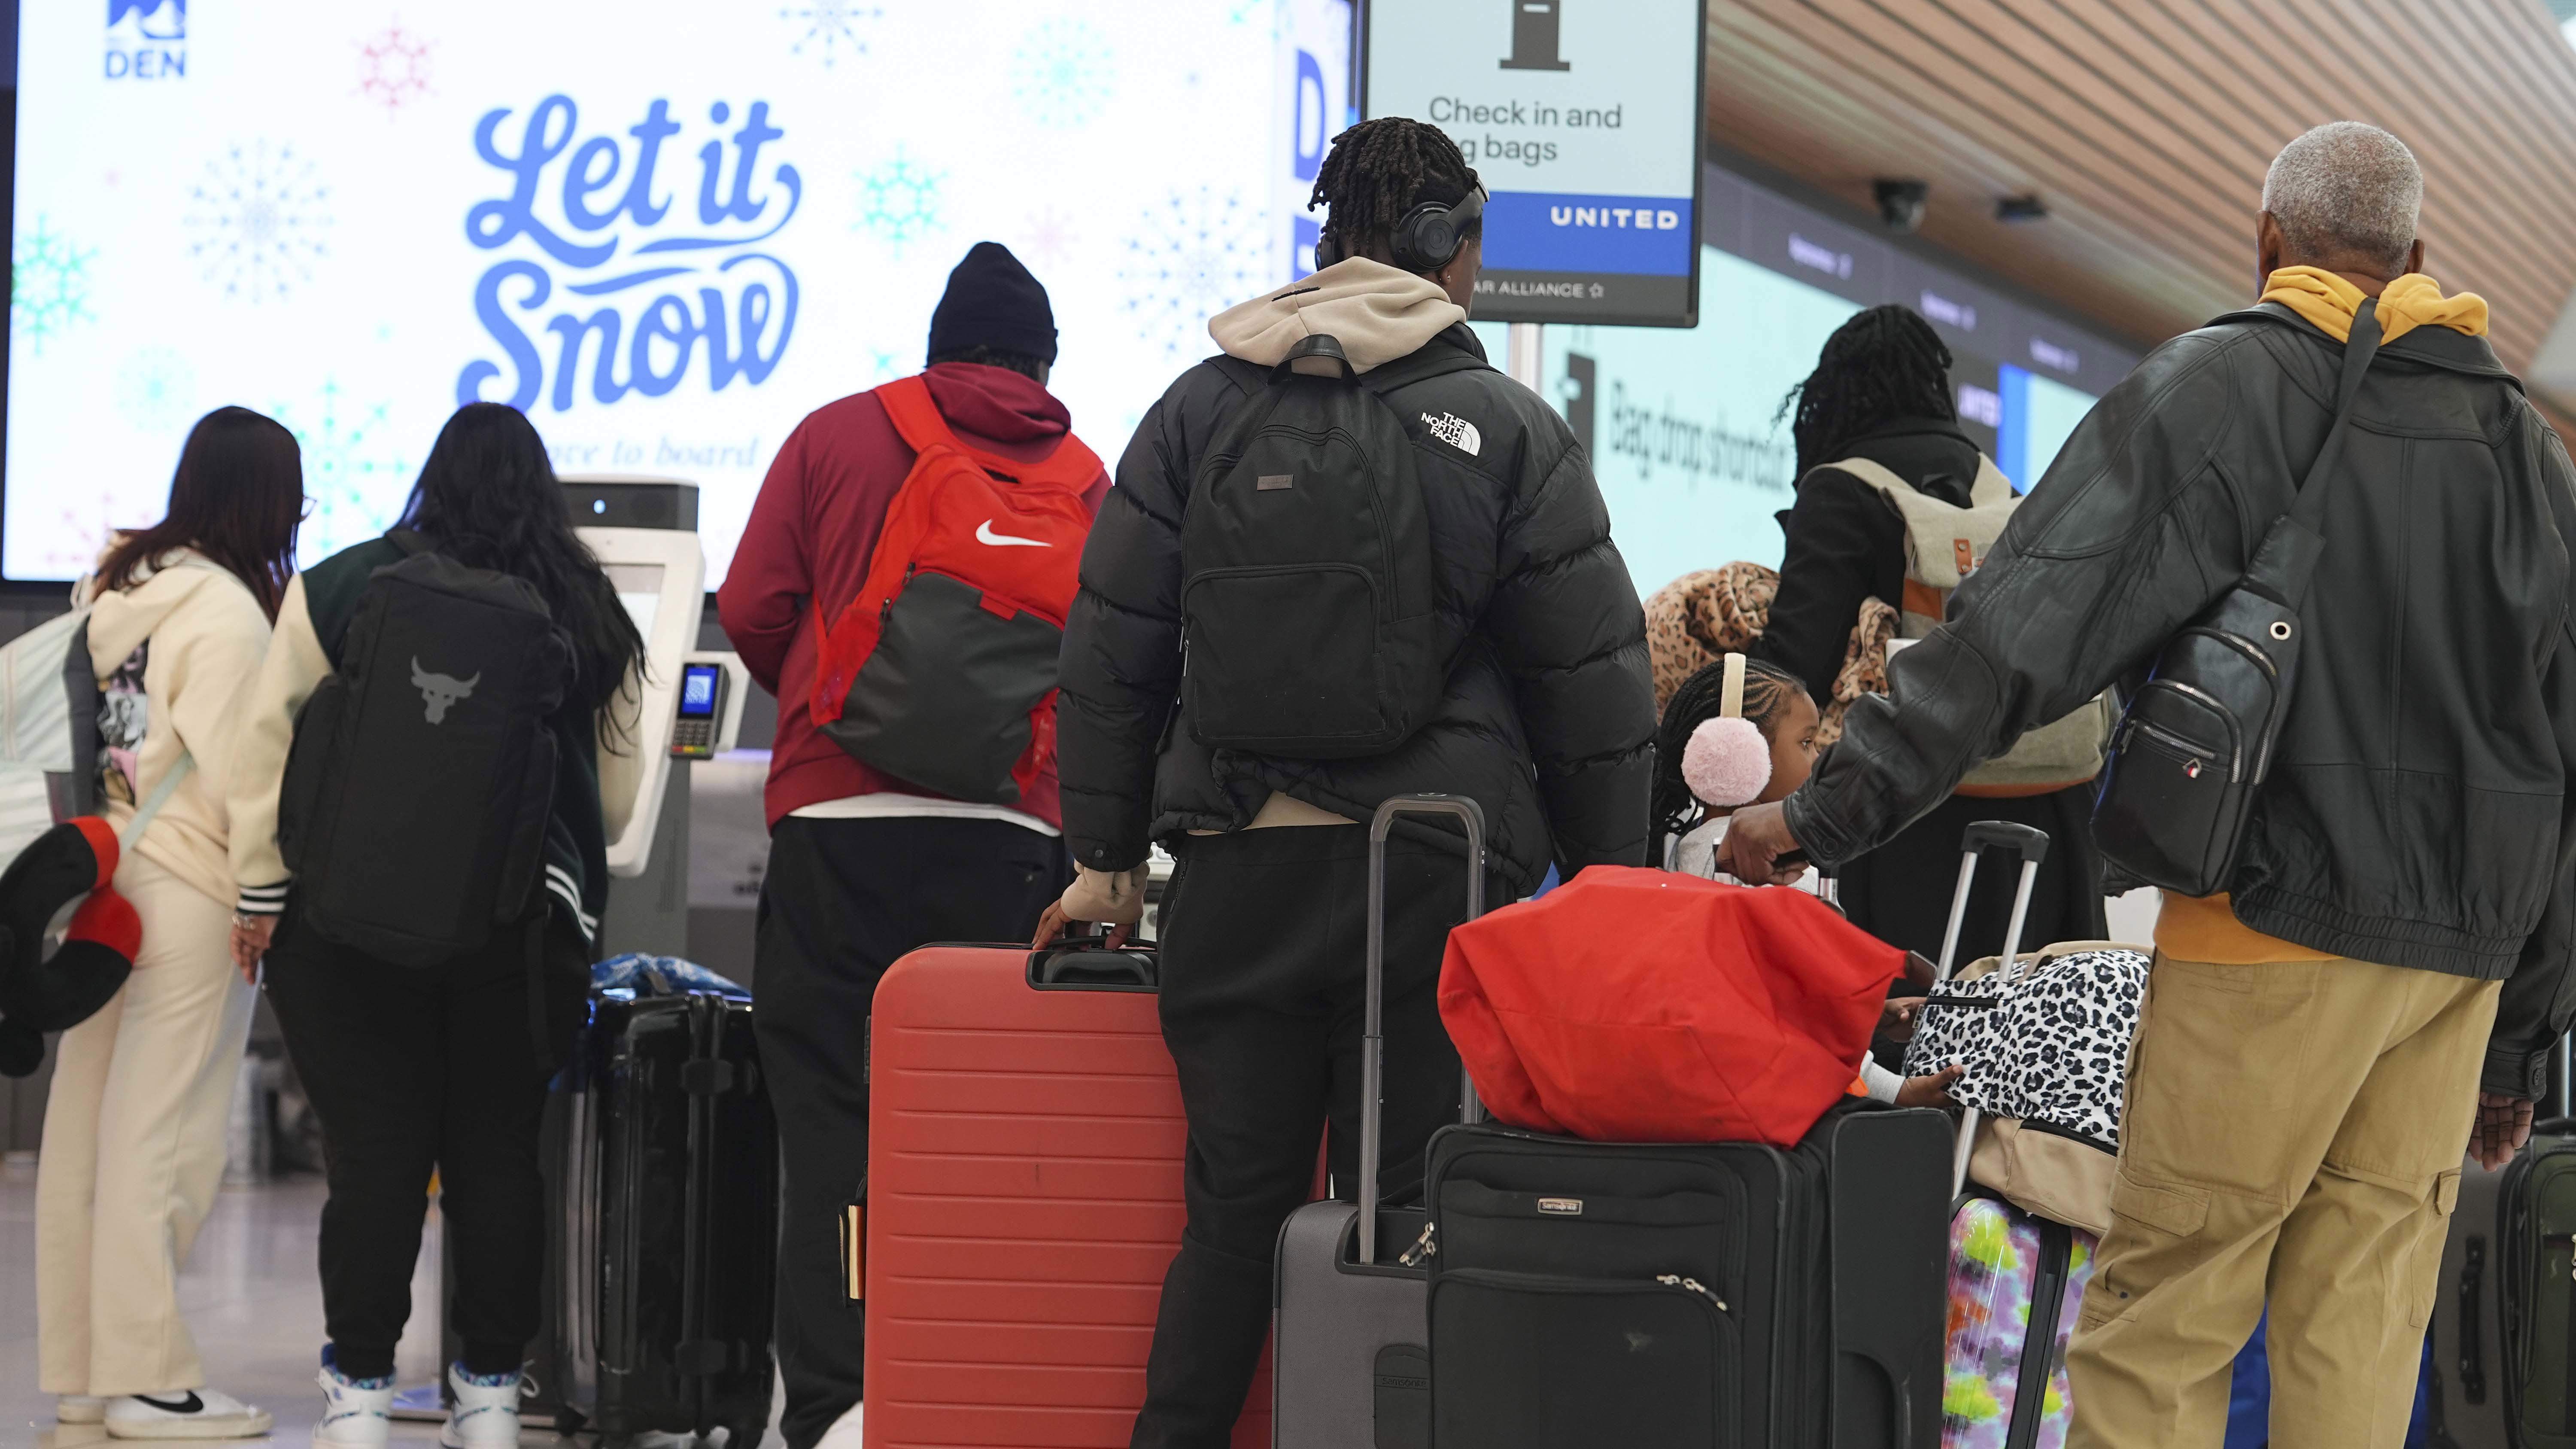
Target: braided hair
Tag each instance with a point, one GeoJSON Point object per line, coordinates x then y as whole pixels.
{"type": "Point", "coordinates": [1885, 363]}
{"type": "Point", "coordinates": [1379, 170]}
{"type": "Point", "coordinates": [1768, 690]}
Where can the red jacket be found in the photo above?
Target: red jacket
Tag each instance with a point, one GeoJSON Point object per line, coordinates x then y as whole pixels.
{"type": "Point", "coordinates": [812, 532]}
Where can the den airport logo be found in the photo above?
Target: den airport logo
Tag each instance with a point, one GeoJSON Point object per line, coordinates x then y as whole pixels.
{"type": "Point", "coordinates": [147, 40]}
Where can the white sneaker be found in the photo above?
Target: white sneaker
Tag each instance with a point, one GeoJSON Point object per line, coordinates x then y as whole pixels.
{"type": "Point", "coordinates": [79, 1409]}
{"type": "Point", "coordinates": [186, 1414]}
{"type": "Point", "coordinates": [486, 1414]}
{"type": "Point", "coordinates": [354, 1416]}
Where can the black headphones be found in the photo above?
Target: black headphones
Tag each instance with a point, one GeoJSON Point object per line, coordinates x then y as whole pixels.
{"type": "Point", "coordinates": [1425, 241]}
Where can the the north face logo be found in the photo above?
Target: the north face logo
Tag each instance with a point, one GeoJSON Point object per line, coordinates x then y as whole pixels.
{"type": "Point", "coordinates": [438, 691]}
{"type": "Point", "coordinates": [1456, 431]}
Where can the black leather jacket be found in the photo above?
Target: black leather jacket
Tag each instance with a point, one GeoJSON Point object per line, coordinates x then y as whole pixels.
{"type": "Point", "coordinates": [2418, 813]}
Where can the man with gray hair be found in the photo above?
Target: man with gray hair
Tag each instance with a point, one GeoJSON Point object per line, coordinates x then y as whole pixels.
{"type": "Point", "coordinates": [2382, 980]}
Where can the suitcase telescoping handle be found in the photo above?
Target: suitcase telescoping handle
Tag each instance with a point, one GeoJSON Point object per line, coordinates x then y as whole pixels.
{"type": "Point", "coordinates": [2031, 844]}
{"type": "Point", "coordinates": [1373, 1031]}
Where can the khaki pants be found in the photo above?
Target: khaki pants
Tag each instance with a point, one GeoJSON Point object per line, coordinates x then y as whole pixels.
{"type": "Point", "coordinates": [2294, 1134]}
{"type": "Point", "coordinates": [134, 1149]}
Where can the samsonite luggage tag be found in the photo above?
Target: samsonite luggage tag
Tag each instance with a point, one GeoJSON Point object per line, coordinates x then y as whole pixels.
{"type": "Point", "coordinates": [1352, 1365]}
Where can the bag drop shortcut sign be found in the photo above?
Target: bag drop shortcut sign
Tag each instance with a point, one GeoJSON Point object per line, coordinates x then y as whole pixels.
{"type": "Point", "coordinates": [438, 691]}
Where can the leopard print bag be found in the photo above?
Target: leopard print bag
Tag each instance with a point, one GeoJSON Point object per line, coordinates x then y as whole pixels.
{"type": "Point", "coordinates": [2048, 1045]}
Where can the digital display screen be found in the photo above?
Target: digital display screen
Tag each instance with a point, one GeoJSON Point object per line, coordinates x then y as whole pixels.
{"type": "Point", "coordinates": [664, 230]}
{"type": "Point", "coordinates": [1685, 427]}
{"type": "Point", "coordinates": [698, 691]}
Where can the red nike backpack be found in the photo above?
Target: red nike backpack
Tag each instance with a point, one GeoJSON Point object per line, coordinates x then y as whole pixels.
{"type": "Point", "coordinates": [942, 672]}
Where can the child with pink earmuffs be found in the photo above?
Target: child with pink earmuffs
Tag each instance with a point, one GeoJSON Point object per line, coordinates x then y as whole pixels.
{"type": "Point", "coordinates": [1743, 732]}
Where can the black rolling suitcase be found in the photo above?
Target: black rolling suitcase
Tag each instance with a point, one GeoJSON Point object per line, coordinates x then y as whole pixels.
{"type": "Point", "coordinates": [668, 1216]}
{"type": "Point", "coordinates": [1690, 1297]}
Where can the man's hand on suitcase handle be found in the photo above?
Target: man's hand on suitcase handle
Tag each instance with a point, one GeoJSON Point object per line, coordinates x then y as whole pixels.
{"type": "Point", "coordinates": [2503, 1126]}
{"type": "Point", "coordinates": [1054, 925]}
{"type": "Point", "coordinates": [1757, 837]}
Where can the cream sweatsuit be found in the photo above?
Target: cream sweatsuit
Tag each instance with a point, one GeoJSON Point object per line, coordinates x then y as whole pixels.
{"type": "Point", "coordinates": [134, 1128]}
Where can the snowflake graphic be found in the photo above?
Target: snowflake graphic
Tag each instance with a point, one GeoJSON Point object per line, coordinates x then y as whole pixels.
{"type": "Point", "coordinates": [1047, 235]}
{"type": "Point", "coordinates": [830, 27]}
{"type": "Point", "coordinates": [1198, 253]}
{"type": "Point", "coordinates": [156, 388]}
{"type": "Point", "coordinates": [899, 201]}
{"type": "Point", "coordinates": [393, 67]}
{"type": "Point", "coordinates": [1061, 73]}
{"type": "Point", "coordinates": [1240, 12]}
{"type": "Point", "coordinates": [884, 366]}
{"type": "Point", "coordinates": [355, 474]}
{"type": "Point", "coordinates": [256, 221]}
{"type": "Point", "coordinates": [48, 284]}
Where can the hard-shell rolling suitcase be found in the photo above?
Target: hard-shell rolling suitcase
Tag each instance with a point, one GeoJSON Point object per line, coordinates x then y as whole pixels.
{"type": "Point", "coordinates": [1353, 1357]}
{"type": "Point", "coordinates": [1690, 1296]}
{"type": "Point", "coordinates": [2016, 1284]}
{"type": "Point", "coordinates": [1023, 1201]}
{"type": "Point", "coordinates": [669, 1203]}
{"type": "Point", "coordinates": [2016, 1280]}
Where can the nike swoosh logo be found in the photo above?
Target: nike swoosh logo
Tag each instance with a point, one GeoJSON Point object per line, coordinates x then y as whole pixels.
{"type": "Point", "coordinates": [984, 534]}
{"type": "Point", "coordinates": [189, 1405]}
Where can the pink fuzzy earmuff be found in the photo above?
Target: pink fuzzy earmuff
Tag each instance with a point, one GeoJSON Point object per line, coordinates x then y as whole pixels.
{"type": "Point", "coordinates": [1727, 762]}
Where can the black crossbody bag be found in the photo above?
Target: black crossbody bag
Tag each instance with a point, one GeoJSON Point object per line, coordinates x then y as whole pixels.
{"type": "Point", "coordinates": [2192, 751]}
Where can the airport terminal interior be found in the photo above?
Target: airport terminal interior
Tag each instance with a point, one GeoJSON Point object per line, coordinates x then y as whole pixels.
{"type": "Point", "coordinates": [669, 270]}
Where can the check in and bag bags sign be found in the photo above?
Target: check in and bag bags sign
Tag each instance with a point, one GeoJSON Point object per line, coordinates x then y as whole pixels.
{"type": "Point", "coordinates": [1583, 117]}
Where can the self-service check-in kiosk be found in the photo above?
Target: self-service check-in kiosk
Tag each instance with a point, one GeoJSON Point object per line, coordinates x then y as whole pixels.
{"type": "Point", "coordinates": [644, 532]}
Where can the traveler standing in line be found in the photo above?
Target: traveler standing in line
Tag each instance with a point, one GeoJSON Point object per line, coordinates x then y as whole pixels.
{"type": "Point", "coordinates": [135, 1124]}
{"type": "Point", "coordinates": [414, 1069]}
{"type": "Point", "coordinates": [2383, 981]}
{"type": "Point", "coordinates": [1881, 393]}
{"type": "Point", "coordinates": [864, 866]}
{"type": "Point", "coordinates": [1546, 720]}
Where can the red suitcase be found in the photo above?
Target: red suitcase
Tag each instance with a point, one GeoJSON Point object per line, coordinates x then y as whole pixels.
{"type": "Point", "coordinates": [1023, 1200]}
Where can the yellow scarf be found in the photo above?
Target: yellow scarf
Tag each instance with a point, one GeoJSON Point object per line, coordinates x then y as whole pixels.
{"type": "Point", "coordinates": [2412, 301]}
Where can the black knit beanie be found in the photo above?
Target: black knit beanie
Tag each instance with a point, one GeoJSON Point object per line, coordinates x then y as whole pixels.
{"type": "Point", "coordinates": [992, 301]}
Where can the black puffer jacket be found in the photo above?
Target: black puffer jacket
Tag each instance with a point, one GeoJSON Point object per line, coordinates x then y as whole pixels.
{"type": "Point", "coordinates": [2418, 813]}
{"type": "Point", "coordinates": [1548, 721]}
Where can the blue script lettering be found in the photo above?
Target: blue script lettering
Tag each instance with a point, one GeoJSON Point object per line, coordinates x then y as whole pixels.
{"type": "Point", "coordinates": [743, 308]}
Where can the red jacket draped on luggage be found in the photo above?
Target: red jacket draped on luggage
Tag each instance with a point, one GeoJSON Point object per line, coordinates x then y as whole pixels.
{"type": "Point", "coordinates": [1645, 1006]}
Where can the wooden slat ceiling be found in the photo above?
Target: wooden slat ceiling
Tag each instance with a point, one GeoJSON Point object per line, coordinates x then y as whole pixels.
{"type": "Point", "coordinates": [2145, 127]}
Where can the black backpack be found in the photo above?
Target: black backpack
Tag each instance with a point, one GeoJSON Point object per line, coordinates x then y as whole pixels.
{"type": "Point", "coordinates": [416, 796]}
{"type": "Point", "coordinates": [1306, 583]}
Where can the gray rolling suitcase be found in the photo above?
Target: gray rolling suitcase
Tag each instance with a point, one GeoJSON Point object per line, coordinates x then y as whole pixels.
{"type": "Point", "coordinates": [1352, 1365]}
{"type": "Point", "coordinates": [2467, 1399]}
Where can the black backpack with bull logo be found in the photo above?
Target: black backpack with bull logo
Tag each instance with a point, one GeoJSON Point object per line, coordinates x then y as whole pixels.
{"type": "Point", "coordinates": [416, 796]}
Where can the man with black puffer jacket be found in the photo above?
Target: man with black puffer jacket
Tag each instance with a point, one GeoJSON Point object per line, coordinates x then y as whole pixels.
{"type": "Point", "coordinates": [1547, 722]}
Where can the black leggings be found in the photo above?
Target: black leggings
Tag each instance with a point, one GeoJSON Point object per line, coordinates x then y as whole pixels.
{"type": "Point", "coordinates": [413, 1071]}
{"type": "Point", "coordinates": [1264, 952]}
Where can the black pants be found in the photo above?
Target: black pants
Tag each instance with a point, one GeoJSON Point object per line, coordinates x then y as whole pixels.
{"type": "Point", "coordinates": [413, 1070]}
{"type": "Point", "coordinates": [842, 901]}
{"type": "Point", "coordinates": [1264, 946]}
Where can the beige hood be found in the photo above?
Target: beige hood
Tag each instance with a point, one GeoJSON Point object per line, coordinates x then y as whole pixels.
{"type": "Point", "coordinates": [1377, 312]}
{"type": "Point", "coordinates": [120, 621]}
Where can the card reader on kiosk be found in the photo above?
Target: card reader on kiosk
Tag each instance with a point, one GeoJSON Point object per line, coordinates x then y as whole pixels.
{"type": "Point", "coordinates": [710, 710]}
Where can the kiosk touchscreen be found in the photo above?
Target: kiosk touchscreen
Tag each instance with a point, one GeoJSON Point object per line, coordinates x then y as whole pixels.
{"type": "Point", "coordinates": [644, 531]}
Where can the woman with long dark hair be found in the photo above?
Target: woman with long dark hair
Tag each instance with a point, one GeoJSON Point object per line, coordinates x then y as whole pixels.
{"type": "Point", "coordinates": [1881, 394]}
{"type": "Point", "coordinates": [413, 1069]}
{"type": "Point", "coordinates": [134, 1125]}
